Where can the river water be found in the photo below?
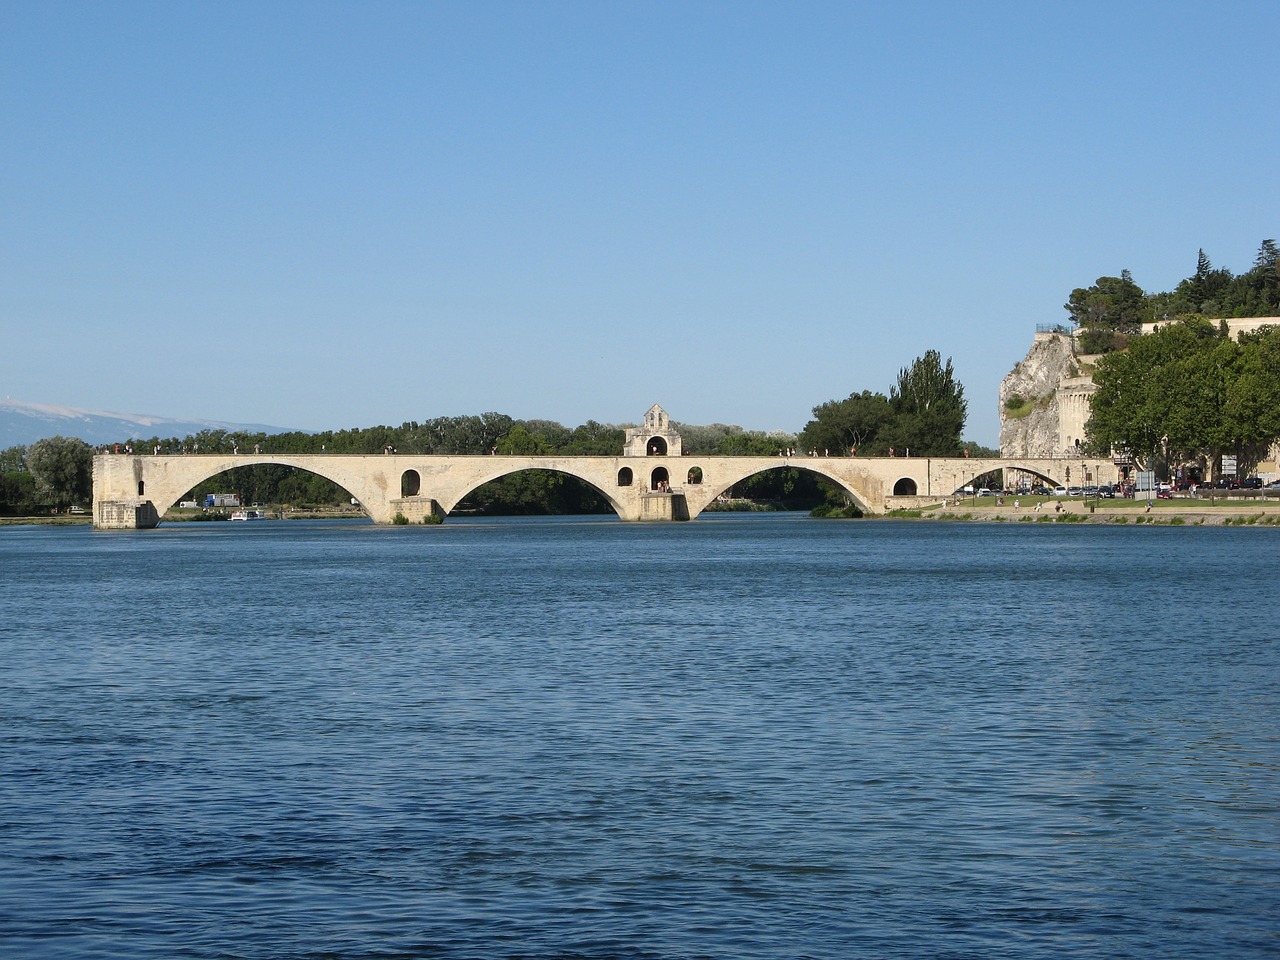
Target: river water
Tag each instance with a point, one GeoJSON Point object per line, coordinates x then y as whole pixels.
{"type": "Point", "coordinates": [743, 737]}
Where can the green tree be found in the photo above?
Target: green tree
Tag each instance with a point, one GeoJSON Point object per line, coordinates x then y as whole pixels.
{"type": "Point", "coordinates": [519, 442]}
{"type": "Point", "coordinates": [593, 439]}
{"type": "Point", "coordinates": [752, 443]}
{"type": "Point", "coordinates": [13, 459]}
{"type": "Point", "coordinates": [63, 470]}
{"type": "Point", "coordinates": [1114, 303]}
{"type": "Point", "coordinates": [1205, 289]}
{"type": "Point", "coordinates": [1107, 312]}
{"type": "Point", "coordinates": [1129, 410]}
{"type": "Point", "coordinates": [17, 493]}
{"type": "Point", "coordinates": [465, 435]}
{"type": "Point", "coordinates": [1257, 293]}
{"type": "Point", "coordinates": [1189, 390]}
{"type": "Point", "coordinates": [857, 422]}
{"type": "Point", "coordinates": [929, 408]}
{"type": "Point", "coordinates": [1252, 406]}
{"type": "Point", "coordinates": [703, 439]}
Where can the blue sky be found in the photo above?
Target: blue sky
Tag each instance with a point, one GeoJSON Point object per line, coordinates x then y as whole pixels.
{"type": "Point", "coordinates": [327, 215]}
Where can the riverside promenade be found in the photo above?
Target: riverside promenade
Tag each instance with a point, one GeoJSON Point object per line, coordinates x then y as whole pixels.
{"type": "Point", "coordinates": [1190, 511]}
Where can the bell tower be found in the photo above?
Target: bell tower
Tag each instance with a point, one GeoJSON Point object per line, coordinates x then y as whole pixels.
{"type": "Point", "coordinates": [655, 437]}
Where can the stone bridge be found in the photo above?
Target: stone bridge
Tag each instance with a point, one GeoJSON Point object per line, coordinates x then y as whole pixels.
{"type": "Point", "coordinates": [133, 492]}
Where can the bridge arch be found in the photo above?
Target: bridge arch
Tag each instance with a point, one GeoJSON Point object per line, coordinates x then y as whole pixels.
{"type": "Point", "coordinates": [724, 480]}
{"type": "Point", "coordinates": [1017, 466]}
{"type": "Point", "coordinates": [164, 485]}
{"type": "Point", "coordinates": [448, 502]}
{"type": "Point", "coordinates": [905, 487]}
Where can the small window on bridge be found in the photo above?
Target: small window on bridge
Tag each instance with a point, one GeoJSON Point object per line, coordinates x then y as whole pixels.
{"type": "Point", "coordinates": [906, 487]}
{"type": "Point", "coordinates": [624, 477]}
{"type": "Point", "coordinates": [410, 483]}
{"type": "Point", "coordinates": [660, 481]}
{"type": "Point", "coordinates": [140, 486]}
{"type": "Point", "coordinates": [695, 475]}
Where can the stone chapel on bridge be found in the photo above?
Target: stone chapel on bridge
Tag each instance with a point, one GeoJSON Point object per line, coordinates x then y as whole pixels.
{"type": "Point", "coordinates": [655, 437]}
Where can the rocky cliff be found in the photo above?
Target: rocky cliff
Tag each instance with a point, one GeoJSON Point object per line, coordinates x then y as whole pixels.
{"type": "Point", "coordinates": [1030, 413]}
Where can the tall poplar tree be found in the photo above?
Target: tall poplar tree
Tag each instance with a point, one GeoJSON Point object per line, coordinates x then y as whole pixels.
{"type": "Point", "coordinates": [929, 408]}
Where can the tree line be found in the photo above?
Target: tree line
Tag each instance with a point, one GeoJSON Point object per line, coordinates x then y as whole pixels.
{"type": "Point", "coordinates": [1113, 309]}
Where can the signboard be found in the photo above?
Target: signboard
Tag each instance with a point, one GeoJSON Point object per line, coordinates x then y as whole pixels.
{"type": "Point", "coordinates": [1146, 482]}
{"type": "Point", "coordinates": [1228, 466]}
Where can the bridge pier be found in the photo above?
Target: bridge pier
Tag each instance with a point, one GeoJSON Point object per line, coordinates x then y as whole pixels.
{"type": "Point", "coordinates": [415, 509]}
{"type": "Point", "coordinates": [125, 515]}
{"type": "Point", "coordinates": [663, 506]}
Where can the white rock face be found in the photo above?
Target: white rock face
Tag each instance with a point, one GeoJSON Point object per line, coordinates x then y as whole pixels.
{"type": "Point", "coordinates": [1036, 378]}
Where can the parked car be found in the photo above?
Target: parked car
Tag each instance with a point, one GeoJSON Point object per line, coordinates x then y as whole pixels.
{"type": "Point", "coordinates": [1251, 483]}
{"type": "Point", "coordinates": [1075, 491]}
{"type": "Point", "coordinates": [1107, 492]}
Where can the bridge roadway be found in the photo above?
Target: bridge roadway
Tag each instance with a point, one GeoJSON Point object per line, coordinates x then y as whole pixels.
{"type": "Point", "coordinates": [133, 492]}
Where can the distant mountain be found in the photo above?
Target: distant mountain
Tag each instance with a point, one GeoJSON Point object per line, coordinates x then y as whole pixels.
{"type": "Point", "coordinates": [22, 424]}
